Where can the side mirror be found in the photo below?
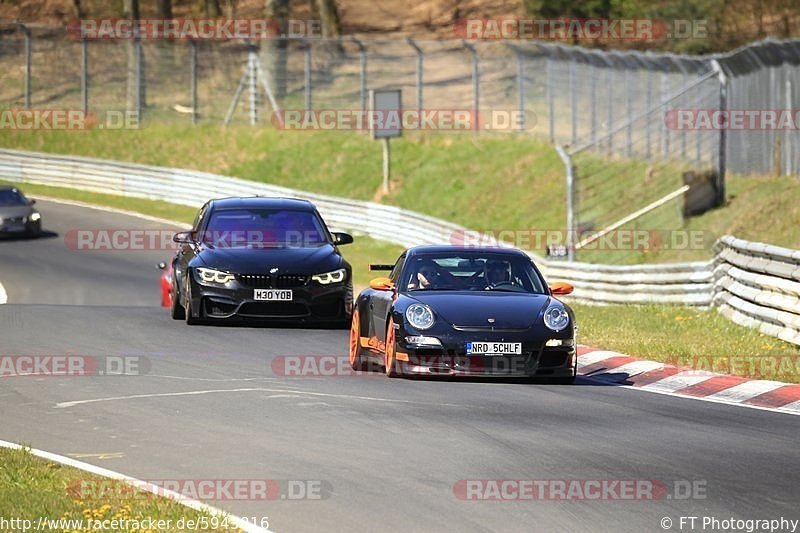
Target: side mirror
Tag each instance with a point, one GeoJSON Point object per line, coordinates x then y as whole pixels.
{"type": "Point", "coordinates": [342, 238]}
{"type": "Point", "coordinates": [32, 201]}
{"type": "Point", "coordinates": [183, 237]}
{"type": "Point", "coordinates": [560, 288]}
{"type": "Point", "coordinates": [162, 265]}
{"type": "Point", "coordinates": [381, 284]}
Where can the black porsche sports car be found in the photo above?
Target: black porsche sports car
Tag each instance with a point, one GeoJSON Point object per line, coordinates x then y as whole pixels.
{"type": "Point", "coordinates": [261, 258]}
{"type": "Point", "coordinates": [451, 311]}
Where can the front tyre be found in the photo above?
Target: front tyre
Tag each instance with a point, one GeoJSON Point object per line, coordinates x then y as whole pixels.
{"type": "Point", "coordinates": [191, 320]}
{"type": "Point", "coordinates": [176, 311]}
{"type": "Point", "coordinates": [356, 362]}
{"type": "Point", "coordinates": [390, 358]}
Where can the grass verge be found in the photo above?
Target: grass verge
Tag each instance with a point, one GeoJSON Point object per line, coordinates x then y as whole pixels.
{"type": "Point", "coordinates": [32, 488]}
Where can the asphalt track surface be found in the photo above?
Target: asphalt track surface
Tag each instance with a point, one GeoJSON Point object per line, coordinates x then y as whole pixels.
{"type": "Point", "coordinates": [209, 405]}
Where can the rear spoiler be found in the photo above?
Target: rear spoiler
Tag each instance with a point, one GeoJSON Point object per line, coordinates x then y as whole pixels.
{"type": "Point", "coordinates": [380, 266]}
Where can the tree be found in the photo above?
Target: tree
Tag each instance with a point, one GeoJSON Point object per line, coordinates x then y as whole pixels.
{"type": "Point", "coordinates": [135, 61]}
{"type": "Point", "coordinates": [164, 9]}
{"type": "Point", "coordinates": [274, 53]}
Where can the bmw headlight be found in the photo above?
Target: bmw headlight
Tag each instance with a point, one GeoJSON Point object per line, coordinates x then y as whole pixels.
{"type": "Point", "coordinates": [209, 275]}
{"type": "Point", "coordinates": [337, 276]}
{"type": "Point", "coordinates": [556, 317]}
{"type": "Point", "coordinates": [35, 216]}
{"type": "Point", "coordinates": [420, 316]}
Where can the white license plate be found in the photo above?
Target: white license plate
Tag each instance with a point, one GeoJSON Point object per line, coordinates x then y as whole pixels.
{"type": "Point", "coordinates": [273, 295]}
{"type": "Point", "coordinates": [494, 348]}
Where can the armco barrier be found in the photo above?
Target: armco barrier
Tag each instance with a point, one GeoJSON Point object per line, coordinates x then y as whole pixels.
{"type": "Point", "coordinates": [754, 284]}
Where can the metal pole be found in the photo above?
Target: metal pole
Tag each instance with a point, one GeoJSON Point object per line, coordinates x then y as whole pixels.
{"type": "Point", "coordinates": [685, 99]}
{"type": "Point", "coordinates": [251, 85]}
{"type": "Point", "coordinates": [193, 68]}
{"type": "Point", "coordinates": [139, 80]}
{"type": "Point", "coordinates": [307, 73]}
{"type": "Point", "coordinates": [570, 240]}
{"type": "Point", "coordinates": [520, 89]}
{"type": "Point", "coordinates": [573, 102]}
{"type": "Point", "coordinates": [420, 80]}
{"type": "Point", "coordinates": [610, 110]}
{"type": "Point", "coordinates": [723, 139]}
{"type": "Point", "coordinates": [85, 76]}
{"type": "Point", "coordinates": [664, 97]}
{"type": "Point", "coordinates": [629, 95]}
{"type": "Point", "coordinates": [549, 97]}
{"type": "Point", "coordinates": [593, 101]}
{"type": "Point", "coordinates": [475, 86]}
{"type": "Point", "coordinates": [386, 164]}
{"type": "Point", "coordinates": [649, 106]}
{"type": "Point", "coordinates": [787, 148]}
{"type": "Point", "coordinates": [362, 88]}
{"type": "Point", "coordinates": [27, 32]}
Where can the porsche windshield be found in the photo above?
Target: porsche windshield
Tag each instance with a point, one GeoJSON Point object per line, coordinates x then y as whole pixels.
{"type": "Point", "coordinates": [264, 227]}
{"type": "Point", "coordinates": [467, 271]}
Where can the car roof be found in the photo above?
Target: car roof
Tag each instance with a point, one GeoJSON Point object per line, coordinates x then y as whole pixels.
{"type": "Point", "coordinates": [262, 201]}
{"type": "Point", "coordinates": [433, 249]}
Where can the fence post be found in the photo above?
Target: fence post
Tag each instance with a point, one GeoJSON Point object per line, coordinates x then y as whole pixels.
{"type": "Point", "coordinates": [27, 33]}
{"type": "Point", "coordinates": [85, 75]}
{"type": "Point", "coordinates": [649, 106]}
{"type": "Point", "coordinates": [787, 145]}
{"type": "Point", "coordinates": [520, 89]}
{"type": "Point", "coordinates": [570, 240]}
{"type": "Point", "coordinates": [251, 85]}
{"type": "Point", "coordinates": [593, 100]}
{"type": "Point", "coordinates": [307, 73]}
{"type": "Point", "coordinates": [664, 129]}
{"type": "Point", "coordinates": [139, 77]}
{"type": "Point", "coordinates": [723, 137]}
{"type": "Point", "coordinates": [548, 68]}
{"type": "Point", "coordinates": [573, 102]}
{"type": "Point", "coordinates": [629, 105]}
{"type": "Point", "coordinates": [610, 110]}
{"type": "Point", "coordinates": [193, 68]}
{"type": "Point", "coordinates": [362, 59]}
{"type": "Point", "coordinates": [420, 79]}
{"type": "Point", "coordinates": [475, 85]}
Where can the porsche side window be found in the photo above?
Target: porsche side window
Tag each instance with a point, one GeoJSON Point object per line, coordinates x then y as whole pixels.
{"type": "Point", "coordinates": [398, 268]}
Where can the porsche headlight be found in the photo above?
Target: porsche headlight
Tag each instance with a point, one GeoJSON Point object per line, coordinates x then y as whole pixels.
{"type": "Point", "coordinates": [35, 216]}
{"type": "Point", "coordinates": [337, 276]}
{"type": "Point", "coordinates": [209, 275]}
{"type": "Point", "coordinates": [556, 317]}
{"type": "Point", "coordinates": [420, 316]}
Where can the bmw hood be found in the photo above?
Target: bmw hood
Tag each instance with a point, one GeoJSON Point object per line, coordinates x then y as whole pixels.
{"type": "Point", "coordinates": [295, 260]}
{"type": "Point", "coordinates": [13, 211]}
{"type": "Point", "coordinates": [474, 309]}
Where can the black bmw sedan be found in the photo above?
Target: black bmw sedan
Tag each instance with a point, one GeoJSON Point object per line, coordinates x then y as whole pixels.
{"type": "Point", "coordinates": [455, 311]}
{"type": "Point", "coordinates": [17, 214]}
{"type": "Point", "coordinates": [261, 258]}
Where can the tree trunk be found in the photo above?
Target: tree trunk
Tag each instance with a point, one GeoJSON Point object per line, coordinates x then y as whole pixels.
{"type": "Point", "coordinates": [211, 8]}
{"type": "Point", "coordinates": [329, 17]}
{"type": "Point", "coordinates": [77, 9]}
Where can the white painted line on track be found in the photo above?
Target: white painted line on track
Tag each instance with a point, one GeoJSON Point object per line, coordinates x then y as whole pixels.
{"type": "Point", "coordinates": [62, 405]}
{"type": "Point", "coordinates": [240, 522]}
{"type": "Point", "coordinates": [3, 294]}
{"type": "Point", "coordinates": [630, 369]}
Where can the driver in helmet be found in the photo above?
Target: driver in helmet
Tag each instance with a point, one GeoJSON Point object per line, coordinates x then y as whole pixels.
{"type": "Point", "coordinates": [426, 277]}
{"type": "Point", "coordinates": [496, 272]}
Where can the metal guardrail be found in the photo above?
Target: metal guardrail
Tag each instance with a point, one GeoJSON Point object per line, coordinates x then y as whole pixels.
{"type": "Point", "coordinates": [753, 284]}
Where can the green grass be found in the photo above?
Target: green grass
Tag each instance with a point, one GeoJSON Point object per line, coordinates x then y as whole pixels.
{"type": "Point", "coordinates": [489, 182]}
{"type": "Point", "coordinates": [31, 487]}
{"type": "Point", "coordinates": [702, 340]}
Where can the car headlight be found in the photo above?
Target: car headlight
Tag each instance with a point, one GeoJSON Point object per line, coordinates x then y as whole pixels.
{"type": "Point", "coordinates": [556, 317]}
{"type": "Point", "coordinates": [420, 316]}
{"type": "Point", "coordinates": [35, 216]}
{"type": "Point", "coordinates": [209, 275]}
{"type": "Point", "coordinates": [337, 276]}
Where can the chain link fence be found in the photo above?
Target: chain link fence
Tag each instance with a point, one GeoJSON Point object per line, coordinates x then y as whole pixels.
{"type": "Point", "coordinates": [616, 114]}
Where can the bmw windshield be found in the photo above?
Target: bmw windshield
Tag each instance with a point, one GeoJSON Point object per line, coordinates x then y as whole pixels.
{"type": "Point", "coordinates": [260, 227]}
